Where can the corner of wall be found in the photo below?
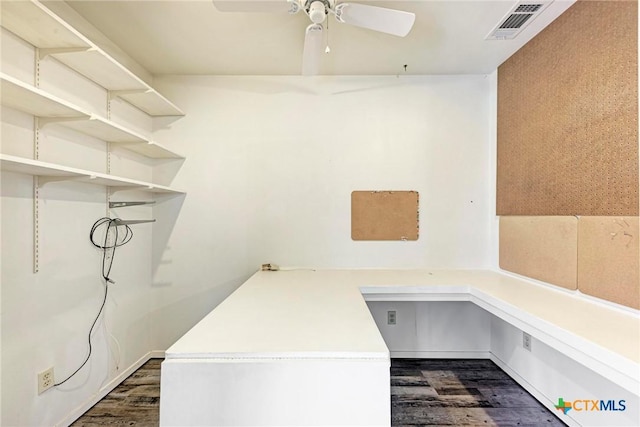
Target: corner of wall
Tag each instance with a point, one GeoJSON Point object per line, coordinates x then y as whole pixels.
{"type": "Point", "coordinates": [493, 152]}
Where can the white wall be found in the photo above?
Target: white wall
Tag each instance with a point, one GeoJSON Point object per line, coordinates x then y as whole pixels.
{"type": "Point", "coordinates": [46, 316]}
{"type": "Point", "coordinates": [271, 163]}
{"type": "Point", "coordinates": [442, 329]}
{"type": "Point", "coordinates": [283, 154]}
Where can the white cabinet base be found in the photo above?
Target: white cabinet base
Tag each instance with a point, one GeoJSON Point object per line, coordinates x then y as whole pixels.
{"type": "Point", "coordinates": [275, 392]}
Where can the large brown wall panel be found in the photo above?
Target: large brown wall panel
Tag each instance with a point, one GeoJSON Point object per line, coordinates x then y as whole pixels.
{"type": "Point", "coordinates": [568, 116]}
{"type": "Point", "coordinates": [543, 247]}
{"type": "Point", "coordinates": [609, 259]}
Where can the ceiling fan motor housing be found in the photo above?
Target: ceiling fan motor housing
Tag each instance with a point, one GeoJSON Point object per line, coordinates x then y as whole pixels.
{"type": "Point", "coordinates": [317, 12]}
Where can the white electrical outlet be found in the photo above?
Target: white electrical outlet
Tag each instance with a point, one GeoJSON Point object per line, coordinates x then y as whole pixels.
{"type": "Point", "coordinates": [391, 317]}
{"type": "Point", "coordinates": [45, 380]}
{"type": "Point", "coordinates": [526, 341]}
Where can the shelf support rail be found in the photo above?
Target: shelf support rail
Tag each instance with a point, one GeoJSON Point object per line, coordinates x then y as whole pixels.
{"type": "Point", "coordinates": [36, 231]}
{"type": "Point", "coordinates": [36, 186]}
{"type": "Point", "coordinates": [37, 58]}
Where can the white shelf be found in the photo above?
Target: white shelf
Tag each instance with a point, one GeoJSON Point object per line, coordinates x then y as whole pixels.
{"type": "Point", "coordinates": [33, 22]}
{"type": "Point", "coordinates": [51, 109]}
{"type": "Point", "coordinates": [150, 101]}
{"type": "Point", "coordinates": [53, 172]}
{"type": "Point", "coordinates": [151, 149]}
{"type": "Point", "coordinates": [101, 68]}
{"type": "Point", "coordinates": [29, 99]}
{"type": "Point", "coordinates": [51, 36]}
{"type": "Point", "coordinates": [39, 26]}
{"type": "Point", "coordinates": [102, 129]}
{"type": "Point", "coordinates": [161, 189]}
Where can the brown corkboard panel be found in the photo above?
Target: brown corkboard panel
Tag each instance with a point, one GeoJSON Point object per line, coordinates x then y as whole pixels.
{"type": "Point", "coordinates": [543, 248]}
{"type": "Point", "coordinates": [384, 215]}
{"type": "Point", "coordinates": [568, 116]}
{"type": "Point", "coordinates": [609, 259]}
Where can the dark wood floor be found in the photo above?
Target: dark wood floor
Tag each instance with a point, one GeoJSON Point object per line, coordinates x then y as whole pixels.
{"type": "Point", "coordinates": [461, 392]}
{"type": "Point", "coordinates": [135, 402]}
{"type": "Point", "coordinates": [424, 392]}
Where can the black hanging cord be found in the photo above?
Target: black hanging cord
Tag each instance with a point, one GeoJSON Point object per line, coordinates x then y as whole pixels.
{"type": "Point", "coordinates": [106, 270]}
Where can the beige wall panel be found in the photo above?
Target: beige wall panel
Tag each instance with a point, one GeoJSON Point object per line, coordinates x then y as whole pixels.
{"type": "Point", "coordinates": [568, 116]}
{"type": "Point", "coordinates": [384, 215]}
{"type": "Point", "coordinates": [609, 259]}
{"type": "Point", "coordinates": [543, 248]}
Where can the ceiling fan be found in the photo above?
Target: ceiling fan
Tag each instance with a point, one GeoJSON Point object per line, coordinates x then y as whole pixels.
{"type": "Point", "coordinates": [390, 21]}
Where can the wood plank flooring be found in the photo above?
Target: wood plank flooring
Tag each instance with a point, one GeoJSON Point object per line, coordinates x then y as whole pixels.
{"type": "Point", "coordinates": [461, 392]}
{"type": "Point", "coordinates": [424, 392]}
{"type": "Point", "coordinates": [135, 402]}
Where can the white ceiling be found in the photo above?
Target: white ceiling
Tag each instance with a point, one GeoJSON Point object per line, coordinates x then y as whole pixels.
{"type": "Point", "coordinates": [192, 37]}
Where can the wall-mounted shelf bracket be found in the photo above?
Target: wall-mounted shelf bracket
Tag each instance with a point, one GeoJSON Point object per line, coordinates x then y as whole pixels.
{"type": "Point", "coordinates": [127, 204]}
{"type": "Point", "coordinates": [119, 221]}
{"type": "Point", "coordinates": [44, 52]}
{"type": "Point", "coordinates": [119, 93]}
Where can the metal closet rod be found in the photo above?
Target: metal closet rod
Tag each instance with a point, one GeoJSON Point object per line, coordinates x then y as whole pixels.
{"type": "Point", "coordinates": [126, 204]}
{"type": "Point", "coordinates": [119, 221]}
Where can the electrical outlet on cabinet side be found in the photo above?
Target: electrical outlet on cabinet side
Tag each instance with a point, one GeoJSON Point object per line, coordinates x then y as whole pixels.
{"type": "Point", "coordinates": [391, 317]}
{"type": "Point", "coordinates": [526, 341]}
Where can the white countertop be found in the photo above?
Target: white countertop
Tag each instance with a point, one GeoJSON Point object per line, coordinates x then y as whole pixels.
{"type": "Point", "coordinates": [322, 314]}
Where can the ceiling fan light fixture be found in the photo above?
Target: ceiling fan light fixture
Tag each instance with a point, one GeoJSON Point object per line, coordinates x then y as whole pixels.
{"type": "Point", "coordinates": [317, 12]}
{"type": "Point", "coordinates": [312, 50]}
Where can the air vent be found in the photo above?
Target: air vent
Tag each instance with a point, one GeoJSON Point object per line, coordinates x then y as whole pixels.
{"type": "Point", "coordinates": [517, 19]}
{"type": "Point", "coordinates": [527, 8]}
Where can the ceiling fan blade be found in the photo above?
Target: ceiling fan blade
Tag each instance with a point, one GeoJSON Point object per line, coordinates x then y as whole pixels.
{"type": "Point", "coordinates": [390, 21]}
{"type": "Point", "coordinates": [312, 50]}
{"type": "Point", "coordinates": [252, 5]}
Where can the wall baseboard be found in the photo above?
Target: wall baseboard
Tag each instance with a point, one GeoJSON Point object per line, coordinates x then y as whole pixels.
{"type": "Point", "coordinates": [440, 354]}
{"type": "Point", "coordinates": [88, 404]}
{"type": "Point", "coordinates": [156, 354]}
